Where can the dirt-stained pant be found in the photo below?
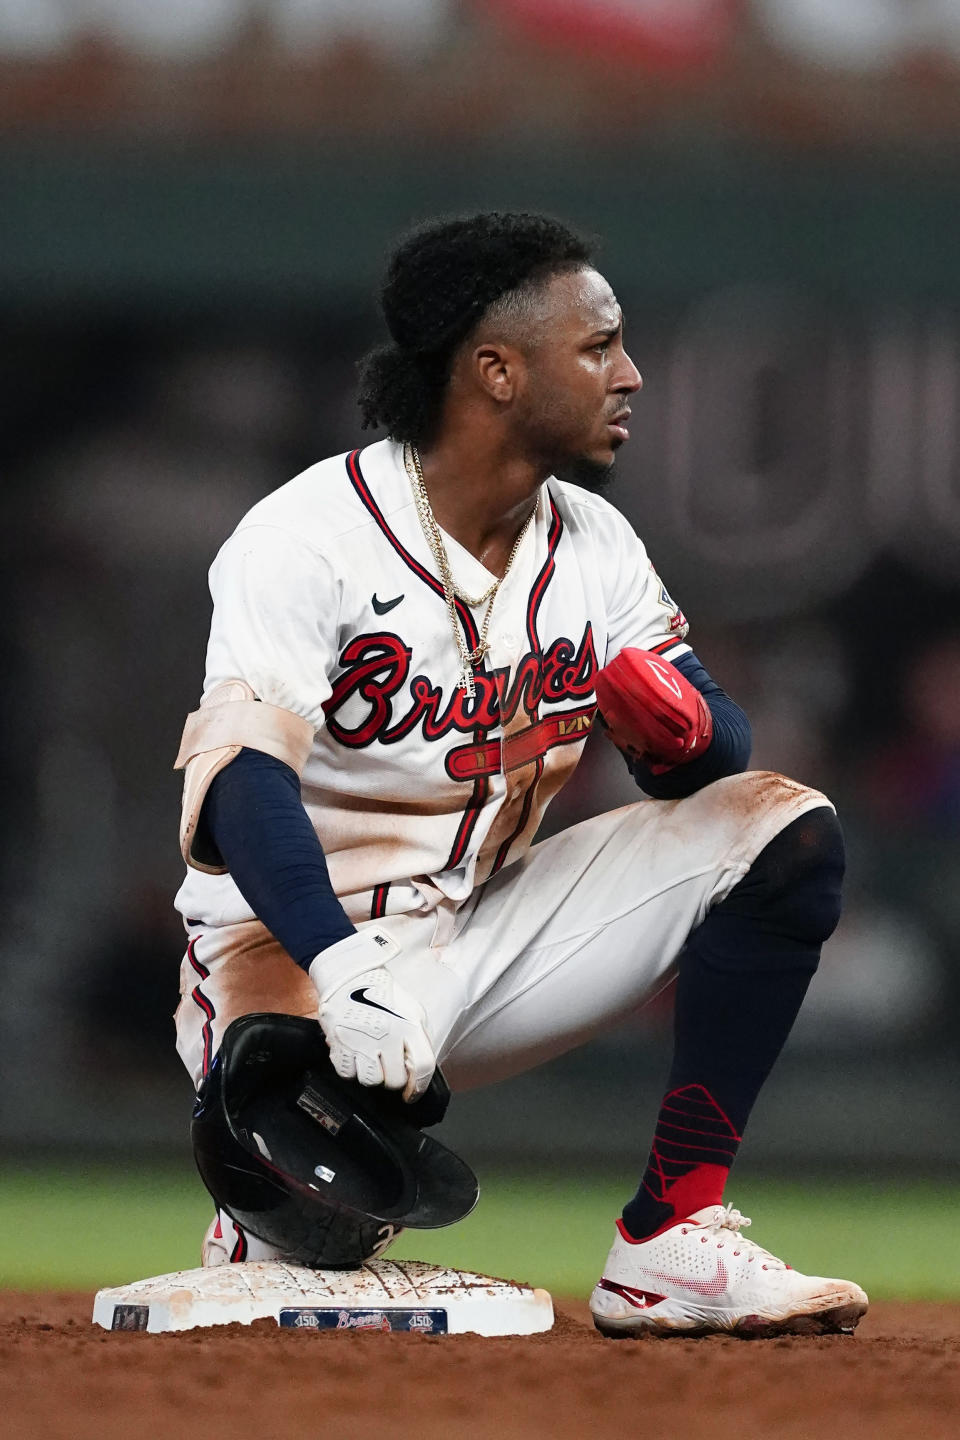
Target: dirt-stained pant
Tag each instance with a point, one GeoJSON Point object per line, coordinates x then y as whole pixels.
{"type": "Point", "coordinates": [553, 950]}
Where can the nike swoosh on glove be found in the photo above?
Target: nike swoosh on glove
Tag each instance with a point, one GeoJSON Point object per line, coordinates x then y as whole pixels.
{"type": "Point", "coordinates": [653, 711]}
{"type": "Point", "coordinates": [374, 1027]}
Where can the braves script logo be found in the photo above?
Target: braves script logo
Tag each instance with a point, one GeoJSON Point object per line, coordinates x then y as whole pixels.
{"type": "Point", "coordinates": [367, 1320]}
{"type": "Point", "coordinates": [376, 668]}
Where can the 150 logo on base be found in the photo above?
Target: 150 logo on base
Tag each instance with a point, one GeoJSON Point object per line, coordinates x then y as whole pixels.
{"type": "Point", "coordinates": [341, 1317]}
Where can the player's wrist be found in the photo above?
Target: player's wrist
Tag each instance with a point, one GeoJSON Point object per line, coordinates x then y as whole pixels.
{"type": "Point", "coordinates": [354, 955]}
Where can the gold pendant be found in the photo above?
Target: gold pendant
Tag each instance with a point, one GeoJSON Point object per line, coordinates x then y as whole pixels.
{"type": "Point", "coordinates": [466, 682]}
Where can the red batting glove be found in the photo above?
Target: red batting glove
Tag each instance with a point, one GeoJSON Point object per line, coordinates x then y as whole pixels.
{"type": "Point", "coordinates": [652, 711]}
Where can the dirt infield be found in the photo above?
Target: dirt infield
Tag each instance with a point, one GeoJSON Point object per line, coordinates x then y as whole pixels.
{"type": "Point", "coordinates": [63, 1379]}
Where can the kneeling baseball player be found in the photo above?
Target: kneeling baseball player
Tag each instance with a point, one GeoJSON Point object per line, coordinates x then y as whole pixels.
{"type": "Point", "coordinates": [409, 646]}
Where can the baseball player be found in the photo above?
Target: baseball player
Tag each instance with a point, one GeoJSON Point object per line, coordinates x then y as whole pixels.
{"type": "Point", "coordinates": [410, 644]}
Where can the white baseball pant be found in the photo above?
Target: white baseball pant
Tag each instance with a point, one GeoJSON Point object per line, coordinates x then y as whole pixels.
{"type": "Point", "coordinates": [550, 952]}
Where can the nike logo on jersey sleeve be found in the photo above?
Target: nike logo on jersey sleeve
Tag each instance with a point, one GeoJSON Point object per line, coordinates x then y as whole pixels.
{"type": "Point", "coordinates": [382, 606]}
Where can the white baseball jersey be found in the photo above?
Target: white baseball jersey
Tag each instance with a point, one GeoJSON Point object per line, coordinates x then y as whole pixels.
{"type": "Point", "coordinates": [327, 602]}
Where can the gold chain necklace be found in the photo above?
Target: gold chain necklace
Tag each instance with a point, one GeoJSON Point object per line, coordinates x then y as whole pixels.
{"type": "Point", "coordinates": [468, 658]}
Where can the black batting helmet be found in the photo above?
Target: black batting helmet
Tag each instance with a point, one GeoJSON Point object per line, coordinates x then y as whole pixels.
{"type": "Point", "coordinates": [316, 1165]}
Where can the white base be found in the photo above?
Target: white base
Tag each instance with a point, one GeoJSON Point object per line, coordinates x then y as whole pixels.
{"type": "Point", "coordinates": [383, 1295]}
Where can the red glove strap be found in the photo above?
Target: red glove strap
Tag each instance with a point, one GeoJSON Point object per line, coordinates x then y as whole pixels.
{"type": "Point", "coordinates": [652, 711]}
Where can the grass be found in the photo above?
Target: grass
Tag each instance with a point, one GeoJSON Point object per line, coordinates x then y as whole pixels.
{"type": "Point", "coordinates": [81, 1226]}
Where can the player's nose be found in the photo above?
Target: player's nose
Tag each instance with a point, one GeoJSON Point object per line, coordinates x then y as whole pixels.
{"type": "Point", "coordinates": [628, 378]}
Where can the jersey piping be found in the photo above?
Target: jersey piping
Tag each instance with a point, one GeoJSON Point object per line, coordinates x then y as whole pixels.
{"type": "Point", "coordinates": [480, 792]}
{"type": "Point", "coordinates": [204, 1003]}
{"type": "Point", "coordinates": [537, 592]}
{"type": "Point", "coordinates": [360, 486]}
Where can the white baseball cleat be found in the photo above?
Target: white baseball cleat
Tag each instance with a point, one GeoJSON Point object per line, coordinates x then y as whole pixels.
{"type": "Point", "coordinates": [226, 1244]}
{"type": "Point", "coordinates": [702, 1276]}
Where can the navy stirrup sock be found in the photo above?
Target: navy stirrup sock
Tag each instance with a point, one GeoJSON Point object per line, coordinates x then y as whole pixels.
{"type": "Point", "coordinates": [742, 978]}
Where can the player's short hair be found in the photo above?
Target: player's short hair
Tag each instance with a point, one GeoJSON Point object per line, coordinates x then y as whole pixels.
{"type": "Point", "coordinates": [441, 279]}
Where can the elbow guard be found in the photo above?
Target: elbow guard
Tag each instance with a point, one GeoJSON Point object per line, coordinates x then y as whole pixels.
{"type": "Point", "coordinates": [652, 711]}
{"type": "Point", "coordinates": [230, 718]}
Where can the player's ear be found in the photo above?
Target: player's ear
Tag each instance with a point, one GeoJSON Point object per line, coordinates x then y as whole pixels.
{"type": "Point", "coordinates": [496, 368]}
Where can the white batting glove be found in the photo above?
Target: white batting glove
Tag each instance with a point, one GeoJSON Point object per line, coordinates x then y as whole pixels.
{"type": "Point", "coordinates": [374, 1027]}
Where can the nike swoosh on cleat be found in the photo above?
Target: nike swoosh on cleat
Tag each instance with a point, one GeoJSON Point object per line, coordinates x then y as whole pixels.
{"type": "Point", "coordinates": [382, 606]}
{"type": "Point", "coordinates": [713, 1287]}
{"type": "Point", "coordinates": [361, 998]}
{"type": "Point", "coordinates": [639, 1299]}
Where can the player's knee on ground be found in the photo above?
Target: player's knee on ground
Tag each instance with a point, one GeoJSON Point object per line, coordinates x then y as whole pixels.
{"type": "Point", "coordinates": [791, 895]}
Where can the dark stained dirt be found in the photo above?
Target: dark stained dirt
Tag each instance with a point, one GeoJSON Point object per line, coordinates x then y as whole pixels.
{"type": "Point", "coordinates": [61, 1378]}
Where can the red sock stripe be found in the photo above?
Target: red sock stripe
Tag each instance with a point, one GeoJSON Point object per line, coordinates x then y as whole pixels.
{"type": "Point", "coordinates": [713, 1145]}
{"type": "Point", "coordinates": [693, 1095]}
{"type": "Point", "coordinates": [673, 1157]}
{"type": "Point", "coordinates": [695, 1130]}
{"type": "Point", "coordinates": [692, 1155]}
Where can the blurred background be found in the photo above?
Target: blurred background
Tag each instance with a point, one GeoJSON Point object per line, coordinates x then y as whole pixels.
{"type": "Point", "coordinates": [197, 200]}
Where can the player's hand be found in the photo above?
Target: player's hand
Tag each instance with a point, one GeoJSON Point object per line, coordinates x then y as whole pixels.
{"type": "Point", "coordinates": [374, 1027]}
{"type": "Point", "coordinates": [652, 711]}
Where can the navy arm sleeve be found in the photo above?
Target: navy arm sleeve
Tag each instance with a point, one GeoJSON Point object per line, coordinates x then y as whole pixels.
{"type": "Point", "coordinates": [255, 817]}
{"type": "Point", "coordinates": [727, 754]}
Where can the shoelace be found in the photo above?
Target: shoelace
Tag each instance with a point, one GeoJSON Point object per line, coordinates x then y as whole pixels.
{"type": "Point", "coordinates": [730, 1218]}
